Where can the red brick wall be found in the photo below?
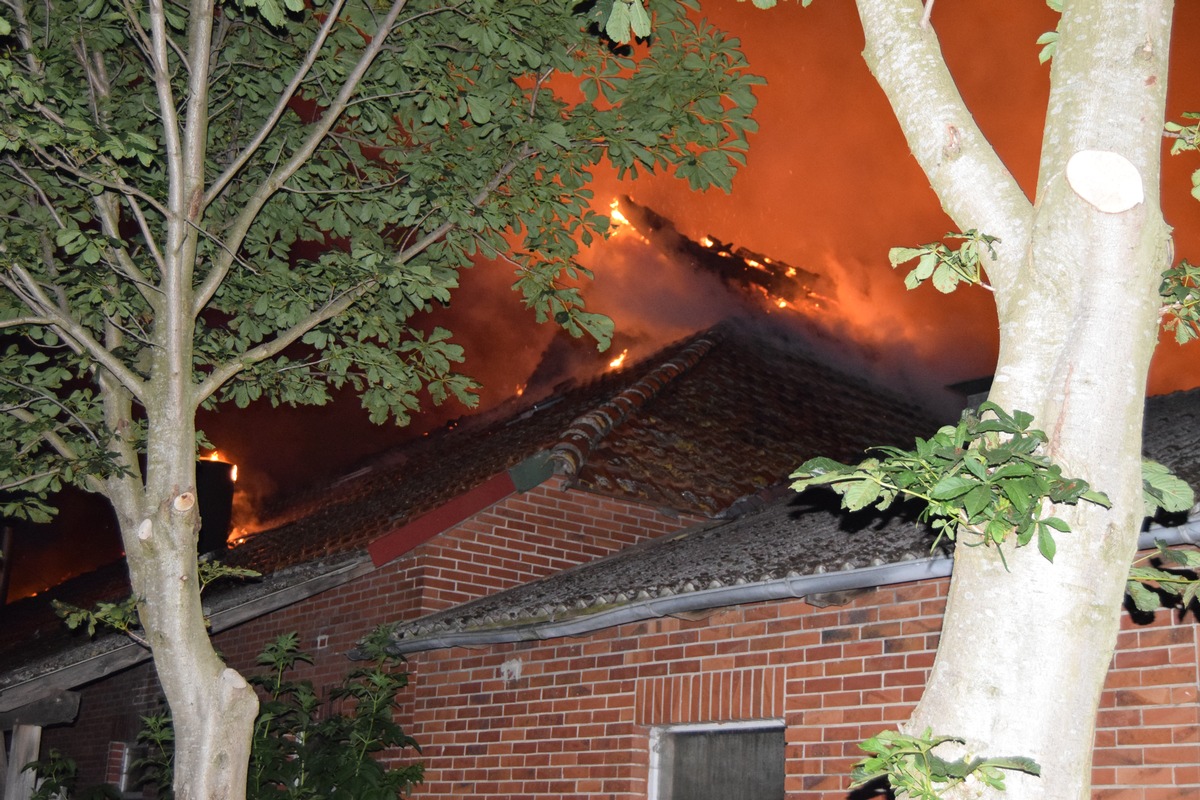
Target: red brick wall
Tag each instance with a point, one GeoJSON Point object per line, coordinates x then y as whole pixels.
{"type": "Point", "coordinates": [524, 537]}
{"type": "Point", "coordinates": [576, 722]}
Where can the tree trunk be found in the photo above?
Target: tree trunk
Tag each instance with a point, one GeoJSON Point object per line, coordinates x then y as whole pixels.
{"type": "Point", "coordinates": [1025, 649]}
{"type": "Point", "coordinates": [212, 706]}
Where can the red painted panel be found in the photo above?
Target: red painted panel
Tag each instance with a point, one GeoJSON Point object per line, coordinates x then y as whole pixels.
{"type": "Point", "coordinates": [425, 527]}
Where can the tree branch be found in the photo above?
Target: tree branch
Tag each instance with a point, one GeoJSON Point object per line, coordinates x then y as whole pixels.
{"type": "Point", "coordinates": [280, 175]}
{"type": "Point", "coordinates": [285, 97]}
{"type": "Point", "coordinates": [222, 373]}
{"type": "Point", "coordinates": [974, 186]}
{"type": "Point", "coordinates": [32, 295]}
{"type": "Point", "coordinates": [58, 444]}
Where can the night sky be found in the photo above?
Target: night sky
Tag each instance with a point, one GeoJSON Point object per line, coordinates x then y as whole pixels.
{"type": "Point", "coordinates": [829, 187]}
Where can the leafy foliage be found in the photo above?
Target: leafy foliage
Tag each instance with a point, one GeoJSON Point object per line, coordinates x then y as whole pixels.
{"type": "Point", "coordinates": [983, 476]}
{"type": "Point", "coordinates": [355, 157]}
{"type": "Point", "coordinates": [1180, 292]}
{"type": "Point", "coordinates": [305, 747]}
{"type": "Point", "coordinates": [1170, 571]}
{"type": "Point", "coordinates": [122, 615]}
{"type": "Point", "coordinates": [914, 771]}
{"type": "Point", "coordinates": [58, 777]}
{"type": "Point", "coordinates": [1049, 40]}
{"type": "Point", "coordinates": [1186, 137]}
{"type": "Point", "coordinates": [943, 266]}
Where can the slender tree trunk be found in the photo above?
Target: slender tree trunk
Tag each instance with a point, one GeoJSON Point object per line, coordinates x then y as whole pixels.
{"type": "Point", "coordinates": [1025, 648]}
{"type": "Point", "coordinates": [212, 706]}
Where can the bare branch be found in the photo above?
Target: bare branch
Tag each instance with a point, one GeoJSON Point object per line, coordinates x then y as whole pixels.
{"type": "Point", "coordinates": [18, 322]}
{"type": "Point", "coordinates": [16, 484]}
{"type": "Point", "coordinates": [974, 186]}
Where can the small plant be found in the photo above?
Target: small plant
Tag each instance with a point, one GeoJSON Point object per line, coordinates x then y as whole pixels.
{"type": "Point", "coordinates": [57, 776]}
{"type": "Point", "coordinates": [122, 615]}
{"type": "Point", "coordinates": [304, 747]}
{"type": "Point", "coordinates": [914, 771]}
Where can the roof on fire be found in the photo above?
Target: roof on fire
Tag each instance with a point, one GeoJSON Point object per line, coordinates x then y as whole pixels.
{"type": "Point", "coordinates": [691, 429]}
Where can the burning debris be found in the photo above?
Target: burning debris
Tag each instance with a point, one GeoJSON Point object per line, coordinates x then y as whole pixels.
{"type": "Point", "coordinates": [782, 285]}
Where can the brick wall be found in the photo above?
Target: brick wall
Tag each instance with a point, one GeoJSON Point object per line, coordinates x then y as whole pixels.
{"type": "Point", "coordinates": [571, 718]}
{"type": "Point", "coordinates": [576, 722]}
{"type": "Point", "coordinates": [523, 537]}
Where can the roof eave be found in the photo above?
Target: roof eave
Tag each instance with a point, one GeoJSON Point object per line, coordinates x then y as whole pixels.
{"type": "Point", "coordinates": [794, 586]}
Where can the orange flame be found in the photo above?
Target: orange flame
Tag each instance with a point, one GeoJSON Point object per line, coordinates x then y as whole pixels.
{"type": "Point", "coordinates": [619, 360]}
{"type": "Point", "coordinates": [618, 217]}
{"type": "Point", "coordinates": [215, 455]}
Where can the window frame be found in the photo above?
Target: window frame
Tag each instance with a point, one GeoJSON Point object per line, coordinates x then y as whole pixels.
{"type": "Point", "coordinates": [659, 732]}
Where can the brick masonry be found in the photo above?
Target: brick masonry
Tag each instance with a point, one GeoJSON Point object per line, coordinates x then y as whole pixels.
{"type": "Point", "coordinates": [571, 718]}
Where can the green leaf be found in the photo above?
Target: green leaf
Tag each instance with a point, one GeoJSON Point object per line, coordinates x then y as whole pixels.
{"type": "Point", "coordinates": [952, 486]}
{"type": "Point", "coordinates": [1046, 544]}
{"type": "Point", "coordinates": [619, 24]}
{"type": "Point", "coordinates": [860, 494]}
{"type": "Point", "coordinates": [1163, 489]}
{"type": "Point", "coordinates": [898, 255]}
{"type": "Point", "coordinates": [1143, 598]}
{"type": "Point", "coordinates": [639, 20]}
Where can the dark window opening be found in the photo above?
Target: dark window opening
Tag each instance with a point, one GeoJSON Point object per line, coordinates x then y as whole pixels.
{"type": "Point", "coordinates": [721, 762]}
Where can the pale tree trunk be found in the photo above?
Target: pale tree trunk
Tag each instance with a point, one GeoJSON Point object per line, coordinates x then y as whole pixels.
{"type": "Point", "coordinates": [1025, 650]}
{"type": "Point", "coordinates": [212, 706]}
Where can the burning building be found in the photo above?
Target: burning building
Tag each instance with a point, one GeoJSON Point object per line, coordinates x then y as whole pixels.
{"type": "Point", "coordinates": [599, 574]}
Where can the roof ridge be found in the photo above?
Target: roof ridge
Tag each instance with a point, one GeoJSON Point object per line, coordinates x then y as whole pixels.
{"type": "Point", "coordinates": [575, 444]}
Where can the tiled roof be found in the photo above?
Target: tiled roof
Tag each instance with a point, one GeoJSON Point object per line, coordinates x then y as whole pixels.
{"type": "Point", "coordinates": [786, 550]}
{"type": "Point", "coordinates": [693, 428]}
{"type": "Point", "coordinates": [743, 418]}
{"type": "Point", "coordinates": [789, 548]}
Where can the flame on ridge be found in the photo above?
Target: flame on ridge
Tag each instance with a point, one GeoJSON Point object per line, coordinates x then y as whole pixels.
{"type": "Point", "coordinates": [215, 455]}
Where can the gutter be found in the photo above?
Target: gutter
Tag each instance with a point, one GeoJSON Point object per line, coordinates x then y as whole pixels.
{"type": "Point", "coordinates": [793, 586]}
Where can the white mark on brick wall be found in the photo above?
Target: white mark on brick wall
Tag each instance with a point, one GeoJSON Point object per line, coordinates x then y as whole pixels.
{"type": "Point", "coordinates": [511, 670]}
